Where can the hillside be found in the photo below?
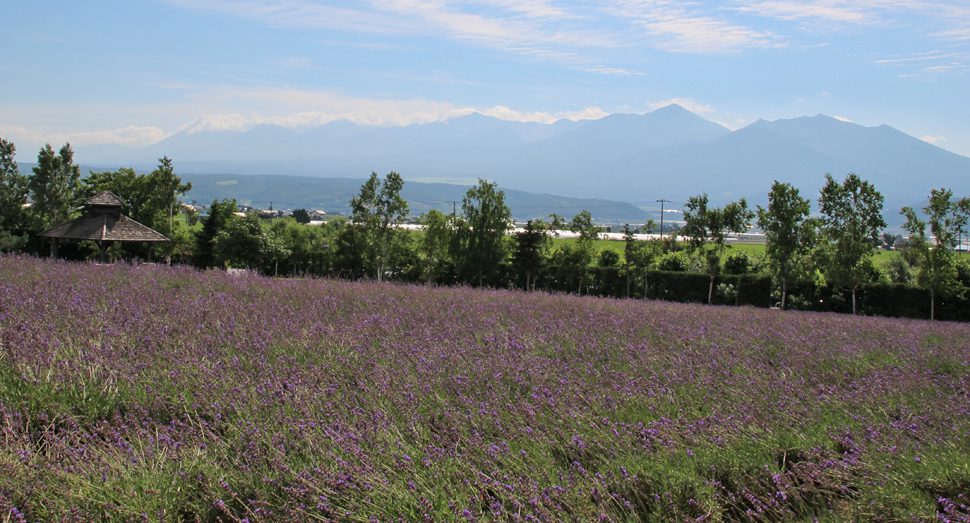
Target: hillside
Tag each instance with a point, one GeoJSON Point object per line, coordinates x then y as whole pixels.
{"type": "Point", "coordinates": [333, 196]}
{"type": "Point", "coordinates": [202, 396]}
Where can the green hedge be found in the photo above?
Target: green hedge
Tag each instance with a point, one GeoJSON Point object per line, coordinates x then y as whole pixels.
{"type": "Point", "coordinates": [893, 300]}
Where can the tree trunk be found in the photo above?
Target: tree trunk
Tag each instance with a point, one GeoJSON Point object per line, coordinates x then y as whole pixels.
{"type": "Point", "coordinates": [853, 300]}
{"type": "Point", "coordinates": [645, 273]}
{"type": "Point", "coordinates": [710, 291]}
{"type": "Point", "coordinates": [932, 305]}
{"type": "Point", "coordinates": [784, 291]}
{"type": "Point", "coordinates": [628, 281]}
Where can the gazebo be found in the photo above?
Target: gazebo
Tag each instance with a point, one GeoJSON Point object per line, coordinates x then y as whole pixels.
{"type": "Point", "coordinates": [103, 223]}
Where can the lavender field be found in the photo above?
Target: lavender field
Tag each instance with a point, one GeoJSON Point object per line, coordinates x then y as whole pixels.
{"type": "Point", "coordinates": [167, 394]}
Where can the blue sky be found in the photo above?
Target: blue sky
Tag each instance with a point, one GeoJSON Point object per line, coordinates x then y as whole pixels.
{"type": "Point", "coordinates": [133, 72]}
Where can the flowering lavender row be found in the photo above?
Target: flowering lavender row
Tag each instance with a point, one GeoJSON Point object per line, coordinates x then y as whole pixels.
{"type": "Point", "coordinates": [167, 394]}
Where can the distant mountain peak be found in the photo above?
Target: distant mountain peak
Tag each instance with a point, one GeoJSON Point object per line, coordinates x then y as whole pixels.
{"type": "Point", "coordinates": [672, 108]}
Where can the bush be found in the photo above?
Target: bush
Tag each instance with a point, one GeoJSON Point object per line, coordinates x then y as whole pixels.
{"type": "Point", "coordinates": [963, 272]}
{"type": "Point", "coordinates": [737, 263]}
{"type": "Point", "coordinates": [608, 258]}
{"type": "Point", "coordinates": [898, 270]}
{"type": "Point", "coordinates": [674, 262]}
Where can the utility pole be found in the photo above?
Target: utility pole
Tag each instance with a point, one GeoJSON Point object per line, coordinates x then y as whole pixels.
{"type": "Point", "coordinates": [453, 206]}
{"type": "Point", "coordinates": [662, 202]}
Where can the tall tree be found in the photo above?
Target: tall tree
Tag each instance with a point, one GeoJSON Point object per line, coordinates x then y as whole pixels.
{"type": "Point", "coordinates": [245, 242]}
{"type": "Point", "coordinates": [639, 256]}
{"type": "Point", "coordinates": [707, 229]}
{"type": "Point", "coordinates": [531, 245]}
{"type": "Point", "coordinates": [585, 249]}
{"type": "Point", "coordinates": [556, 224]}
{"type": "Point", "coordinates": [377, 209]}
{"type": "Point", "coordinates": [785, 224]}
{"type": "Point", "coordinates": [479, 243]}
{"type": "Point", "coordinates": [301, 216]}
{"type": "Point", "coordinates": [13, 196]}
{"type": "Point", "coordinates": [438, 230]}
{"type": "Point", "coordinates": [936, 272]}
{"type": "Point", "coordinates": [851, 223]}
{"type": "Point", "coordinates": [54, 186]}
{"type": "Point", "coordinates": [164, 189]}
{"type": "Point", "coordinates": [219, 216]}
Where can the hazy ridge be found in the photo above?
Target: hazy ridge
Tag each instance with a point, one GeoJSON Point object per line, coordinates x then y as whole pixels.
{"type": "Point", "coordinates": [668, 153]}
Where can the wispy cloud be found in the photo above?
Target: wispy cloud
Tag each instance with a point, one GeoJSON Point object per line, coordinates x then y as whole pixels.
{"type": "Point", "coordinates": [613, 70]}
{"type": "Point", "coordinates": [953, 14]}
{"type": "Point", "coordinates": [530, 27]}
{"type": "Point", "coordinates": [673, 27]}
{"type": "Point", "coordinates": [921, 57]}
{"type": "Point", "coordinates": [934, 139]}
{"type": "Point", "coordinates": [130, 136]}
{"type": "Point", "coordinates": [829, 10]}
{"type": "Point", "coordinates": [302, 13]}
{"type": "Point", "coordinates": [842, 119]}
{"type": "Point", "coordinates": [945, 62]}
{"type": "Point", "coordinates": [275, 107]}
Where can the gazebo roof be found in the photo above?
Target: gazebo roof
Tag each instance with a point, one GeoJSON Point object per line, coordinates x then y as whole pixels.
{"type": "Point", "coordinates": [105, 198]}
{"type": "Point", "coordinates": [104, 222]}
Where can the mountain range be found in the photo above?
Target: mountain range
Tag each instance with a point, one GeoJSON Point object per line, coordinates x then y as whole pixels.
{"type": "Point", "coordinates": [669, 153]}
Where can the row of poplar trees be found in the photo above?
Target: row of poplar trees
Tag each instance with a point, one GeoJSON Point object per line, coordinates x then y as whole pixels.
{"type": "Point", "coordinates": [835, 246]}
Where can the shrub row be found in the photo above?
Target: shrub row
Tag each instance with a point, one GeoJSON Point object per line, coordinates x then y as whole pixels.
{"type": "Point", "coordinates": [891, 300]}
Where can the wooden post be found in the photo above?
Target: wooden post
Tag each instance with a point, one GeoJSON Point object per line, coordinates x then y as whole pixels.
{"type": "Point", "coordinates": [53, 248]}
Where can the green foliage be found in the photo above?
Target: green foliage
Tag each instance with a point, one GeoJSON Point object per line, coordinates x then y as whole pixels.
{"type": "Point", "coordinates": [582, 224]}
{"type": "Point", "coordinates": [439, 229]}
{"type": "Point", "coordinates": [737, 263]}
{"type": "Point", "coordinates": [13, 196]}
{"type": "Point", "coordinates": [608, 258]}
{"type": "Point", "coordinates": [531, 250]}
{"type": "Point", "coordinates": [348, 253]}
{"type": "Point", "coordinates": [150, 199]}
{"type": "Point", "coordinates": [301, 216]}
{"type": "Point", "coordinates": [898, 271]}
{"type": "Point", "coordinates": [479, 245]}
{"type": "Point", "coordinates": [377, 209]}
{"type": "Point", "coordinates": [220, 214]}
{"type": "Point", "coordinates": [851, 222]}
{"type": "Point", "coordinates": [674, 262]}
{"type": "Point", "coordinates": [55, 187]}
{"type": "Point", "coordinates": [245, 242]}
{"type": "Point", "coordinates": [936, 271]}
{"type": "Point", "coordinates": [556, 223]}
{"type": "Point", "coordinates": [788, 231]}
{"type": "Point", "coordinates": [707, 229]}
{"type": "Point", "coordinates": [308, 246]}
{"type": "Point", "coordinates": [962, 267]}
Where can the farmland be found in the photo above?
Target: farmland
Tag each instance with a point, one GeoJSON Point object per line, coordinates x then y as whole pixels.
{"type": "Point", "coordinates": [171, 394]}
